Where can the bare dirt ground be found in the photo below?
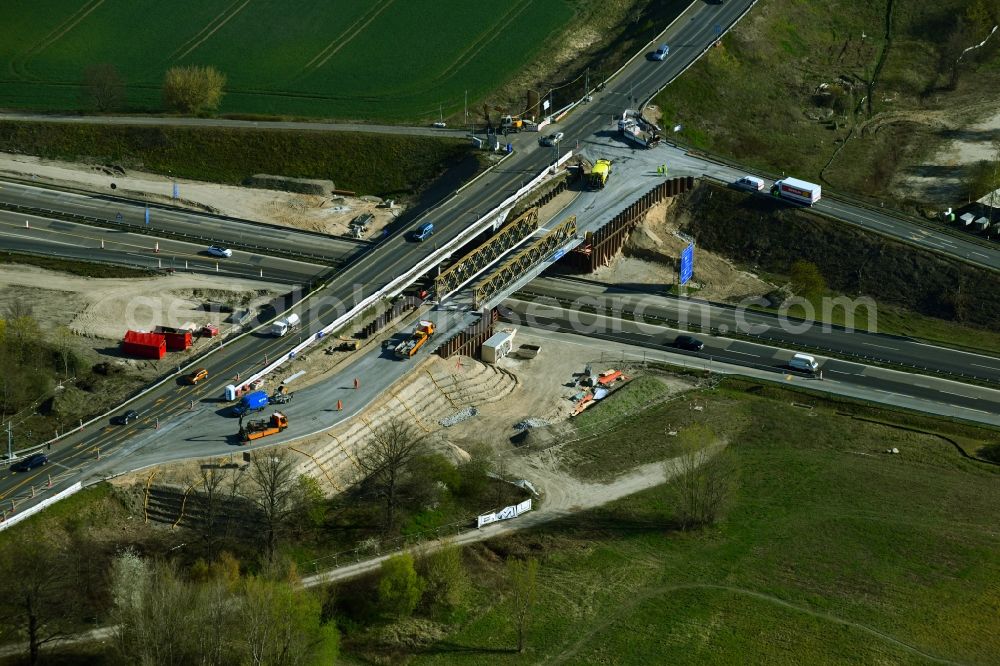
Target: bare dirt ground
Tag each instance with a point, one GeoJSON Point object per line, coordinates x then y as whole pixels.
{"type": "Point", "coordinates": [326, 214]}
{"type": "Point", "coordinates": [99, 311]}
{"type": "Point", "coordinates": [941, 180]}
{"type": "Point", "coordinates": [651, 257]}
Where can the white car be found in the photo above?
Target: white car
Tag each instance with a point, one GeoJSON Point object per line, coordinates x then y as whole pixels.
{"type": "Point", "coordinates": [219, 251]}
{"type": "Point", "coordinates": [662, 52]}
{"type": "Point", "coordinates": [552, 139]}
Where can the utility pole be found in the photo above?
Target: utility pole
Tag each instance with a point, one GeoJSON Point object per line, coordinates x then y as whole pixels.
{"type": "Point", "coordinates": [586, 83]}
{"type": "Point", "coordinates": [10, 442]}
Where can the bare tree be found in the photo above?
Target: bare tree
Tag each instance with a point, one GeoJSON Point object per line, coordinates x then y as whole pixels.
{"type": "Point", "coordinates": [522, 582]}
{"type": "Point", "coordinates": [217, 487]}
{"type": "Point", "coordinates": [383, 463]}
{"type": "Point", "coordinates": [37, 594]}
{"type": "Point", "coordinates": [274, 491]}
{"type": "Point", "coordinates": [702, 482]}
{"type": "Point", "coordinates": [103, 87]}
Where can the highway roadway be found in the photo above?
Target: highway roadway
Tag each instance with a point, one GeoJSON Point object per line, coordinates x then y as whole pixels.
{"type": "Point", "coordinates": [933, 395]}
{"type": "Point", "coordinates": [171, 402]}
{"type": "Point", "coordinates": [650, 307]}
{"type": "Point", "coordinates": [20, 232]}
{"type": "Point", "coordinates": [193, 226]}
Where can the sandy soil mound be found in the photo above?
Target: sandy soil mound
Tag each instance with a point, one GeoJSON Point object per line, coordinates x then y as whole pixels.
{"type": "Point", "coordinates": [106, 308]}
{"type": "Point", "coordinates": [651, 256]}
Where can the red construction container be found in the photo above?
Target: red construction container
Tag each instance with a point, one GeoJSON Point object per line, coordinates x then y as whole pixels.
{"type": "Point", "coordinates": [178, 339]}
{"type": "Point", "coordinates": [144, 345]}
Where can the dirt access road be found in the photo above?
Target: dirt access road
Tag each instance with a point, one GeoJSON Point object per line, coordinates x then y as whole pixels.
{"type": "Point", "coordinates": [563, 495]}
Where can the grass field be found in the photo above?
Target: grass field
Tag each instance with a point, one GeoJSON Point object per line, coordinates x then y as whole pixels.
{"type": "Point", "coordinates": [384, 59]}
{"type": "Point", "coordinates": [832, 552]}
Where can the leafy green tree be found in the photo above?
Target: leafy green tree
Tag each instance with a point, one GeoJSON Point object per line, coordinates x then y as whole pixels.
{"type": "Point", "coordinates": [193, 89]}
{"type": "Point", "coordinates": [522, 584]}
{"type": "Point", "coordinates": [447, 581]}
{"type": "Point", "coordinates": [282, 626]}
{"type": "Point", "coordinates": [399, 588]}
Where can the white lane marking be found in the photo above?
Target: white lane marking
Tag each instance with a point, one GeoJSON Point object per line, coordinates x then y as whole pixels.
{"type": "Point", "coordinates": [960, 395]}
{"type": "Point", "coordinates": [733, 351]}
{"type": "Point", "coordinates": [871, 344]}
{"type": "Point", "coordinates": [988, 367]}
{"type": "Point", "coordinates": [969, 409]}
{"type": "Point", "coordinates": [980, 254]}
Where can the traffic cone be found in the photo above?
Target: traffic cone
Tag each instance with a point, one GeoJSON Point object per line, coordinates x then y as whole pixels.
{"type": "Point", "coordinates": [156, 249]}
{"type": "Point", "coordinates": [357, 384]}
{"type": "Point", "coordinates": [340, 406]}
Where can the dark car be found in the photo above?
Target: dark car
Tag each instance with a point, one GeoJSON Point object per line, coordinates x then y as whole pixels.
{"type": "Point", "coordinates": [126, 418]}
{"type": "Point", "coordinates": [29, 463]}
{"type": "Point", "coordinates": [688, 343]}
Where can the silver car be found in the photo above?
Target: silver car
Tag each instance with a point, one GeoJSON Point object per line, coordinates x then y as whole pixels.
{"type": "Point", "coordinates": [552, 139]}
{"type": "Point", "coordinates": [219, 251]}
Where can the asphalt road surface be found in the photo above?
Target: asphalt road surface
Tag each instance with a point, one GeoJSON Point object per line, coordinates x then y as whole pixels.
{"type": "Point", "coordinates": [164, 121]}
{"type": "Point", "coordinates": [694, 315]}
{"type": "Point", "coordinates": [930, 394]}
{"type": "Point", "coordinates": [170, 406]}
{"type": "Point", "coordinates": [39, 235]}
{"type": "Point", "coordinates": [193, 226]}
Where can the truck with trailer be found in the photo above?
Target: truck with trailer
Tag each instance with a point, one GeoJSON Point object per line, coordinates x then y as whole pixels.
{"type": "Point", "coordinates": [797, 191]}
{"type": "Point", "coordinates": [283, 326]}
{"type": "Point", "coordinates": [421, 334]}
{"type": "Point", "coordinates": [251, 402]}
{"type": "Point", "coordinates": [636, 129]}
{"type": "Point", "coordinates": [263, 427]}
{"type": "Point", "coordinates": [598, 176]}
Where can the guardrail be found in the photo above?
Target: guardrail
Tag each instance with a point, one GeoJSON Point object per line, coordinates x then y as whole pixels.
{"type": "Point", "coordinates": [421, 267]}
{"type": "Point", "coordinates": [144, 229]}
{"type": "Point", "coordinates": [724, 331]}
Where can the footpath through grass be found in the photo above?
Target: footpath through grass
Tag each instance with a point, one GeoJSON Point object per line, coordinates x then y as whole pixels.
{"type": "Point", "coordinates": [366, 163]}
{"type": "Point", "coordinates": [832, 551]}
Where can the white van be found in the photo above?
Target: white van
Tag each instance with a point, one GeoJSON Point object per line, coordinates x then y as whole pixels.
{"type": "Point", "coordinates": [750, 183]}
{"type": "Point", "coordinates": [803, 363]}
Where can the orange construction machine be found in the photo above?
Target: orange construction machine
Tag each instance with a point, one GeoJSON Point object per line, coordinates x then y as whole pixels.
{"type": "Point", "coordinates": [264, 427]}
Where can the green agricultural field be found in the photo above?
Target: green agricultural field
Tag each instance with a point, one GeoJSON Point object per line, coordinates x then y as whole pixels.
{"type": "Point", "coordinates": [832, 551]}
{"type": "Point", "coordinates": [385, 59]}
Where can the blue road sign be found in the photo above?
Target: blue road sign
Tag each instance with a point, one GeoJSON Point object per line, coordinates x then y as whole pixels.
{"type": "Point", "coordinates": [177, 191]}
{"type": "Point", "coordinates": [147, 214]}
{"type": "Point", "coordinates": [687, 263]}
{"type": "Point", "coordinates": [718, 29]}
{"type": "Point", "coordinates": [559, 254]}
{"type": "Point", "coordinates": [119, 217]}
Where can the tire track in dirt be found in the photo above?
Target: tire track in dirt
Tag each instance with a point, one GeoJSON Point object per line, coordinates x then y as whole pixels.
{"type": "Point", "coordinates": [226, 16]}
{"type": "Point", "coordinates": [347, 35]}
{"type": "Point", "coordinates": [658, 591]}
{"type": "Point", "coordinates": [21, 63]}
{"type": "Point", "coordinates": [487, 38]}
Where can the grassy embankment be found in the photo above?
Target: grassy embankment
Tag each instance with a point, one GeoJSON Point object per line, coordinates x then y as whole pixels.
{"type": "Point", "coordinates": [917, 292]}
{"type": "Point", "coordinates": [366, 163]}
{"type": "Point", "coordinates": [832, 550]}
{"type": "Point", "coordinates": [757, 97]}
{"type": "Point", "coordinates": [83, 268]}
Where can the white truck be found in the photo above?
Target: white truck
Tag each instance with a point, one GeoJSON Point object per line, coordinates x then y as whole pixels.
{"type": "Point", "coordinates": [638, 130]}
{"type": "Point", "coordinates": [796, 190]}
{"type": "Point", "coordinates": [282, 326]}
